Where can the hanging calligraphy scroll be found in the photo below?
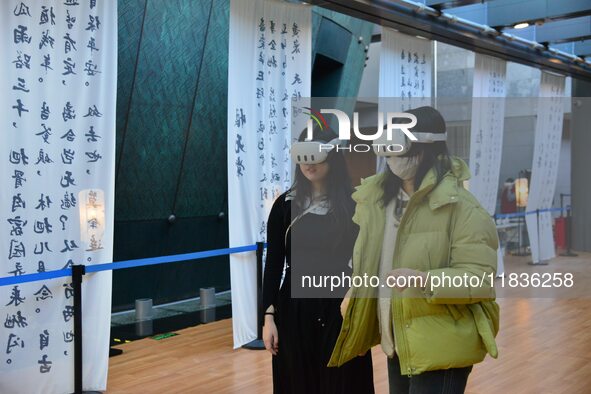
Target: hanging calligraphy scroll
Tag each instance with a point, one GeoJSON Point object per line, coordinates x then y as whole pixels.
{"type": "Point", "coordinates": [269, 66]}
{"type": "Point", "coordinates": [544, 173]}
{"type": "Point", "coordinates": [57, 140]}
{"type": "Point", "coordinates": [406, 69]}
{"type": "Point", "coordinates": [486, 140]}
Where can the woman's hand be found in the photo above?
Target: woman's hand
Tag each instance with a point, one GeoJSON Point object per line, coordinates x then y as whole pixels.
{"type": "Point", "coordinates": [403, 278]}
{"type": "Point", "coordinates": [270, 337]}
{"type": "Point", "coordinates": [345, 303]}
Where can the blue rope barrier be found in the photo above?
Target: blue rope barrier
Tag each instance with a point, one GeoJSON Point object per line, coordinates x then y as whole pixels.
{"type": "Point", "coordinates": [519, 214]}
{"type": "Point", "coordinates": [168, 259]}
{"type": "Point", "coordinates": [509, 215]}
{"type": "Point", "coordinates": [13, 280]}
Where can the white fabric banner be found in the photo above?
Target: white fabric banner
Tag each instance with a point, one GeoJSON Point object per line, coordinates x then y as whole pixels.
{"type": "Point", "coordinates": [58, 76]}
{"type": "Point", "coordinates": [406, 68]}
{"type": "Point", "coordinates": [406, 64]}
{"type": "Point", "coordinates": [548, 138]}
{"type": "Point", "coordinates": [269, 65]}
{"type": "Point", "coordinates": [486, 137]}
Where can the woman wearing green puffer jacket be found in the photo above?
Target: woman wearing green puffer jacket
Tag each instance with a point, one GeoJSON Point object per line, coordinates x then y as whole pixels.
{"type": "Point", "coordinates": [428, 239]}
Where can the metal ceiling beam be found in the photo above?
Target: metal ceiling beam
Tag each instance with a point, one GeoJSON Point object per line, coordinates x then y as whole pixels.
{"type": "Point", "coordinates": [417, 20]}
{"type": "Point", "coordinates": [473, 12]}
{"type": "Point", "coordinates": [503, 13]}
{"type": "Point", "coordinates": [514, 11]}
{"type": "Point", "coordinates": [583, 48]}
{"type": "Point", "coordinates": [443, 4]}
{"type": "Point", "coordinates": [565, 30]}
{"type": "Point", "coordinates": [579, 48]}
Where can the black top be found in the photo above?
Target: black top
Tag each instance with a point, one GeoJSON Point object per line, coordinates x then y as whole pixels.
{"type": "Point", "coordinates": [316, 245]}
{"type": "Point", "coordinates": [308, 320]}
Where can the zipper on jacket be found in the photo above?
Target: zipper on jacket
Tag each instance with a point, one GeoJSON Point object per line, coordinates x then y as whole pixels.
{"type": "Point", "coordinates": [404, 343]}
{"type": "Point", "coordinates": [400, 318]}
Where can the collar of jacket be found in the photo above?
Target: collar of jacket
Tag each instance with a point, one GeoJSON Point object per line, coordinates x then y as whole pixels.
{"type": "Point", "coordinates": [370, 190]}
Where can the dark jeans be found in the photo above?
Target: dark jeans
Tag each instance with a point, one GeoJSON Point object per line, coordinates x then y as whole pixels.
{"type": "Point", "coordinates": [442, 381]}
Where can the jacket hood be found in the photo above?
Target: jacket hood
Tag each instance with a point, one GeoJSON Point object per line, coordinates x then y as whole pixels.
{"type": "Point", "coordinates": [447, 190]}
{"type": "Point", "coordinates": [460, 169]}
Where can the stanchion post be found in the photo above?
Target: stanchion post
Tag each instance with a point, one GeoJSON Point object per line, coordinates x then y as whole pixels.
{"type": "Point", "coordinates": [260, 249]}
{"type": "Point", "coordinates": [569, 233]}
{"type": "Point", "coordinates": [540, 262]}
{"type": "Point", "coordinates": [520, 217]}
{"type": "Point", "coordinates": [519, 253]}
{"type": "Point", "coordinates": [562, 204]}
{"type": "Point", "coordinates": [258, 343]}
{"type": "Point", "coordinates": [77, 272]}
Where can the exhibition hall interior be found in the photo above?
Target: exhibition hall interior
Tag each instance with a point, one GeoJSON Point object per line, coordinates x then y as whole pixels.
{"type": "Point", "coordinates": [285, 196]}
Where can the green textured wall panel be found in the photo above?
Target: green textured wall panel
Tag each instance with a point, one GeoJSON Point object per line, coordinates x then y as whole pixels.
{"type": "Point", "coordinates": [353, 67]}
{"type": "Point", "coordinates": [203, 185]}
{"type": "Point", "coordinates": [130, 18]}
{"type": "Point", "coordinates": [344, 82]}
{"type": "Point", "coordinates": [161, 107]}
{"type": "Point", "coordinates": [173, 90]}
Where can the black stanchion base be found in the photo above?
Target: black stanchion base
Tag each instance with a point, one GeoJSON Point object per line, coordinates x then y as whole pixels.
{"type": "Point", "coordinates": [544, 262]}
{"type": "Point", "coordinates": [568, 254]}
{"type": "Point", "coordinates": [114, 352]}
{"type": "Point", "coordinates": [91, 392]}
{"type": "Point", "coordinates": [521, 254]}
{"type": "Point", "coordinates": [257, 344]}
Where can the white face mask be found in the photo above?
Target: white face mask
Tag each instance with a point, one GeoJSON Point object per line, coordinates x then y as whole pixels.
{"type": "Point", "coordinates": [403, 167]}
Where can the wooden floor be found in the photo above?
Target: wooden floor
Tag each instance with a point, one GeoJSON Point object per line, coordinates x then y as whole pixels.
{"type": "Point", "coordinates": [544, 347]}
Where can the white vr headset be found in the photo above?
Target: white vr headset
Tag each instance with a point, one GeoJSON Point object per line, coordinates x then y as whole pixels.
{"type": "Point", "coordinates": [312, 152]}
{"type": "Point", "coordinates": [315, 152]}
{"type": "Point", "coordinates": [401, 143]}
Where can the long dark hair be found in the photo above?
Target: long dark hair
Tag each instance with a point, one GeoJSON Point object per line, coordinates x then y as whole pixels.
{"type": "Point", "coordinates": [338, 182]}
{"type": "Point", "coordinates": [433, 155]}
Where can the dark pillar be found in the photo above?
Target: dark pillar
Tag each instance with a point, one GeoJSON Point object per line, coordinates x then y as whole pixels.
{"type": "Point", "coordinates": [580, 165]}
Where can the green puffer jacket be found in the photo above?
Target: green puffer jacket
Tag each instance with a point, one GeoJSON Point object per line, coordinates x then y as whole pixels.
{"type": "Point", "coordinates": [444, 230]}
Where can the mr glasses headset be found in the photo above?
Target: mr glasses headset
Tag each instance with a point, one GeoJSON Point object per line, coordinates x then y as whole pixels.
{"type": "Point", "coordinates": [315, 152]}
